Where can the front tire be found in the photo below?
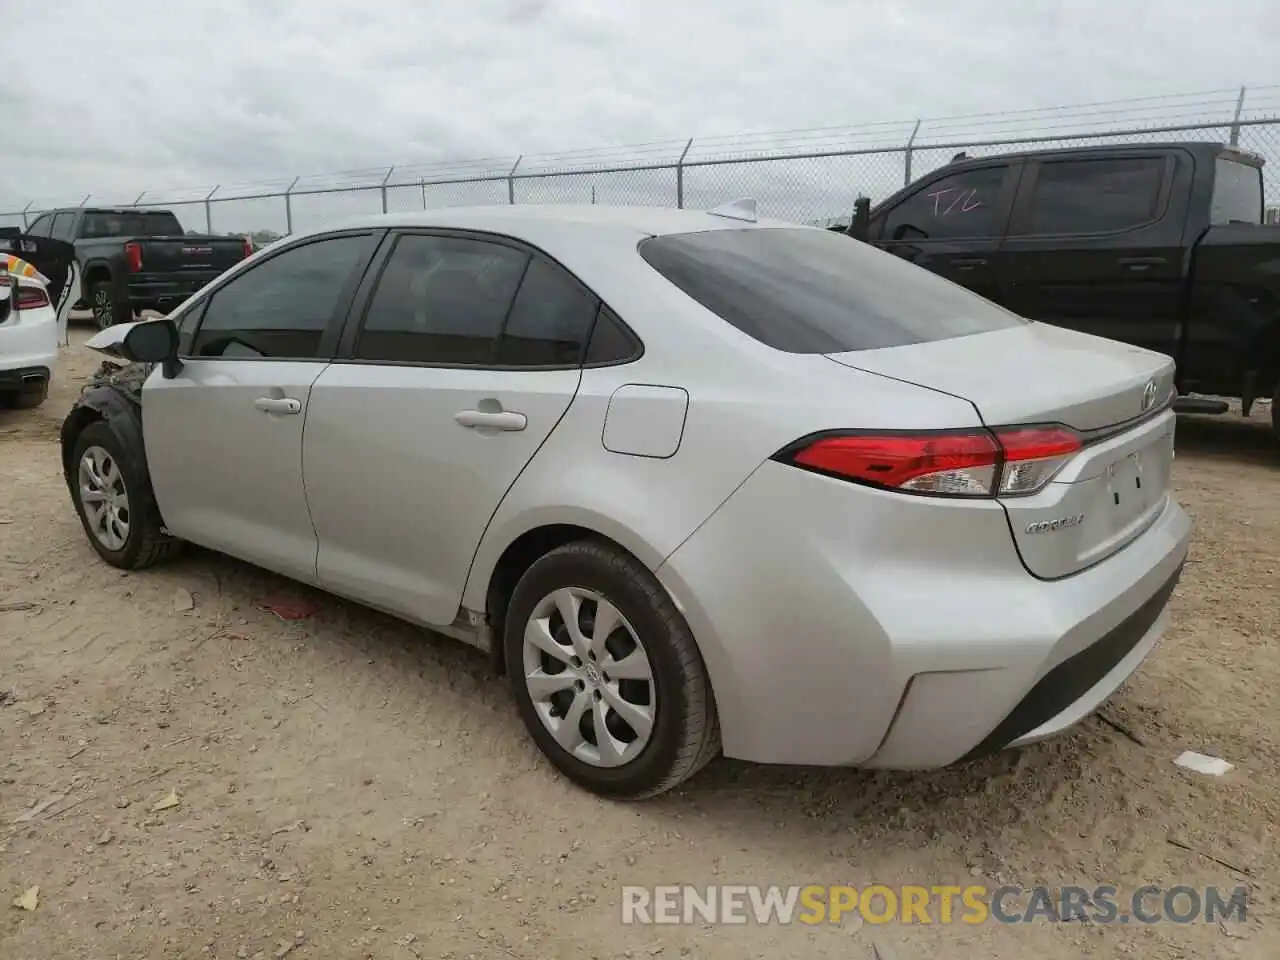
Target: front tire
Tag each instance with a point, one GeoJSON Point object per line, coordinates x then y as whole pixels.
{"type": "Point", "coordinates": [116, 506]}
{"type": "Point", "coordinates": [606, 674]}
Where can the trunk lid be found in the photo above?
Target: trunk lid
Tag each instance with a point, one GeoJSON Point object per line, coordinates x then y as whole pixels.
{"type": "Point", "coordinates": [1115, 395]}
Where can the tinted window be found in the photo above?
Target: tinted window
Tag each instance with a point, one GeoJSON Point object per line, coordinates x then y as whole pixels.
{"type": "Point", "coordinates": [1237, 193]}
{"type": "Point", "coordinates": [63, 224]}
{"type": "Point", "coordinates": [441, 300]}
{"type": "Point", "coordinates": [130, 223]}
{"type": "Point", "coordinates": [1096, 196]}
{"type": "Point", "coordinates": [813, 291]}
{"type": "Point", "coordinates": [281, 307]}
{"type": "Point", "coordinates": [610, 343]}
{"type": "Point", "coordinates": [40, 228]}
{"type": "Point", "coordinates": [549, 321]}
{"type": "Point", "coordinates": [962, 205]}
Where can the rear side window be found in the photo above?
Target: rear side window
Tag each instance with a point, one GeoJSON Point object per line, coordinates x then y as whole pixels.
{"type": "Point", "coordinates": [550, 320]}
{"type": "Point", "coordinates": [814, 291]}
{"type": "Point", "coordinates": [1237, 193]}
{"type": "Point", "coordinates": [441, 300]}
{"type": "Point", "coordinates": [130, 223]}
{"type": "Point", "coordinates": [1096, 196]}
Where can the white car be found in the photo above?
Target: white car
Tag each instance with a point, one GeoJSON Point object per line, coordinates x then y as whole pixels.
{"type": "Point", "coordinates": [698, 482]}
{"type": "Point", "coordinates": [28, 334]}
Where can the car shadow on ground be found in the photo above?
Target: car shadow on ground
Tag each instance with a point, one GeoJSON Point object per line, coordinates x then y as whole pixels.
{"type": "Point", "coordinates": [825, 811]}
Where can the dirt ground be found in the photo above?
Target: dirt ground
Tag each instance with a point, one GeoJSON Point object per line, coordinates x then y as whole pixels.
{"type": "Point", "coordinates": [347, 786]}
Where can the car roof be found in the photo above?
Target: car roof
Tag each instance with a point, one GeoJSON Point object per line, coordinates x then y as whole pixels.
{"type": "Point", "coordinates": [531, 221]}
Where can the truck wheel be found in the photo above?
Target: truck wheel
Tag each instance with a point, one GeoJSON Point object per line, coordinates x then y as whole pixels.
{"type": "Point", "coordinates": [115, 504]}
{"type": "Point", "coordinates": [106, 312]}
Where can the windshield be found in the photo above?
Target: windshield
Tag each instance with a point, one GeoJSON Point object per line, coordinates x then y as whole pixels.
{"type": "Point", "coordinates": [130, 223]}
{"type": "Point", "coordinates": [1237, 193]}
{"type": "Point", "coordinates": [814, 291]}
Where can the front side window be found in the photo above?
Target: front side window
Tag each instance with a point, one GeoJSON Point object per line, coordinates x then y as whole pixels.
{"type": "Point", "coordinates": [441, 300]}
{"type": "Point", "coordinates": [40, 228]}
{"type": "Point", "coordinates": [63, 226]}
{"type": "Point", "coordinates": [814, 291]}
{"type": "Point", "coordinates": [281, 307]}
{"type": "Point", "coordinates": [1096, 196]}
{"type": "Point", "coordinates": [962, 205]}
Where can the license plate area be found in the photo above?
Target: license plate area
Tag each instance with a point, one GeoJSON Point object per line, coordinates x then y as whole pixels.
{"type": "Point", "coordinates": [1137, 482]}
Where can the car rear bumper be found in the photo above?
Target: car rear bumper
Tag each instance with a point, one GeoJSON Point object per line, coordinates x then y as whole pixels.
{"type": "Point", "coordinates": [28, 347]}
{"type": "Point", "coordinates": [847, 626]}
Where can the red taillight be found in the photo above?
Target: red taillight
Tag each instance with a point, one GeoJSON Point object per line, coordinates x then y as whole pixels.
{"type": "Point", "coordinates": [248, 249]}
{"type": "Point", "coordinates": [133, 252]}
{"type": "Point", "coordinates": [978, 463]}
{"type": "Point", "coordinates": [31, 298]}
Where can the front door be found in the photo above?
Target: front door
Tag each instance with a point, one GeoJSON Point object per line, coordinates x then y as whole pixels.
{"type": "Point", "coordinates": [468, 355]}
{"type": "Point", "coordinates": [951, 224]}
{"type": "Point", "coordinates": [224, 436]}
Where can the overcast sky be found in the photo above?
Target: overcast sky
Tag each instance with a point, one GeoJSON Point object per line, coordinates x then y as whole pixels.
{"type": "Point", "coordinates": [113, 98]}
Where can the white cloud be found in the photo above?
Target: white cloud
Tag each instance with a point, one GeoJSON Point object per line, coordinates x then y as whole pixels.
{"type": "Point", "coordinates": [159, 94]}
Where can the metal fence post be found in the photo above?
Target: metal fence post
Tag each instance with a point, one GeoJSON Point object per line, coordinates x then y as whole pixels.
{"type": "Point", "coordinates": [1235, 121]}
{"type": "Point", "coordinates": [423, 184]}
{"type": "Point", "coordinates": [138, 199]}
{"type": "Point", "coordinates": [680, 175]}
{"type": "Point", "coordinates": [906, 154]}
{"type": "Point", "coordinates": [511, 181]}
{"type": "Point", "coordinates": [208, 209]}
{"type": "Point", "coordinates": [86, 199]}
{"type": "Point", "coordinates": [25, 222]}
{"type": "Point", "coordinates": [383, 187]}
{"type": "Point", "coordinates": [288, 207]}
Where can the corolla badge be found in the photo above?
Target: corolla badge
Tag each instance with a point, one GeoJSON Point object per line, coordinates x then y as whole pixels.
{"type": "Point", "coordinates": [1148, 395]}
{"type": "Point", "coordinates": [1062, 523]}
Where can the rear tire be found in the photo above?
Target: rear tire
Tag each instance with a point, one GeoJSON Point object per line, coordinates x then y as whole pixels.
{"type": "Point", "coordinates": [116, 506]}
{"type": "Point", "coordinates": [106, 311]}
{"type": "Point", "coordinates": [631, 734]}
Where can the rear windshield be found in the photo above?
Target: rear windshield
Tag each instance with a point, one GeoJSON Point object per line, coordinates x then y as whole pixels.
{"type": "Point", "coordinates": [1237, 193]}
{"type": "Point", "coordinates": [814, 291]}
{"type": "Point", "coordinates": [162, 223]}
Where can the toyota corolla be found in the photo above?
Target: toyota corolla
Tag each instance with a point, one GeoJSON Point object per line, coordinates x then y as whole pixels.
{"type": "Point", "coordinates": [698, 482]}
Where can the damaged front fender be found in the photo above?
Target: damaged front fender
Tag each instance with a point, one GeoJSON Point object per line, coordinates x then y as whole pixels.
{"type": "Point", "coordinates": [113, 395]}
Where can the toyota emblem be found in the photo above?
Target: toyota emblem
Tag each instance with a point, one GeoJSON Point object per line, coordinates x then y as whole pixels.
{"type": "Point", "coordinates": [1148, 395]}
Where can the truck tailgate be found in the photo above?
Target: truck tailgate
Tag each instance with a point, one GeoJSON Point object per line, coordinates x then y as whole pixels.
{"type": "Point", "coordinates": [197, 255]}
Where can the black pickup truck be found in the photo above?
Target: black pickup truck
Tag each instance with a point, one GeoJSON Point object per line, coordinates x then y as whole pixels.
{"type": "Point", "coordinates": [132, 260]}
{"type": "Point", "coordinates": [1160, 245]}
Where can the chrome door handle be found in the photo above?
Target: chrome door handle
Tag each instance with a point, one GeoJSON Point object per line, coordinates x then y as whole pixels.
{"type": "Point", "coordinates": [492, 420]}
{"type": "Point", "coordinates": [280, 405]}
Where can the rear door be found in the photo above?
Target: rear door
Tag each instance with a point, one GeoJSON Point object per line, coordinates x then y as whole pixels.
{"type": "Point", "coordinates": [465, 356]}
{"type": "Point", "coordinates": [224, 436]}
{"type": "Point", "coordinates": [1094, 245]}
{"type": "Point", "coordinates": [951, 224]}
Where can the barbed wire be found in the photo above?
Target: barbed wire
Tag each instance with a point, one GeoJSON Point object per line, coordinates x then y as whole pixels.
{"type": "Point", "coordinates": [664, 171]}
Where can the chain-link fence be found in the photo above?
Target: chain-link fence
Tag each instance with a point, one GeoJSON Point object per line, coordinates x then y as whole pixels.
{"type": "Point", "coordinates": [810, 176]}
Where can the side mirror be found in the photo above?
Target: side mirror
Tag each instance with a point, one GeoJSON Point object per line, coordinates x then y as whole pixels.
{"type": "Point", "coordinates": [153, 341]}
{"type": "Point", "coordinates": [860, 224]}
